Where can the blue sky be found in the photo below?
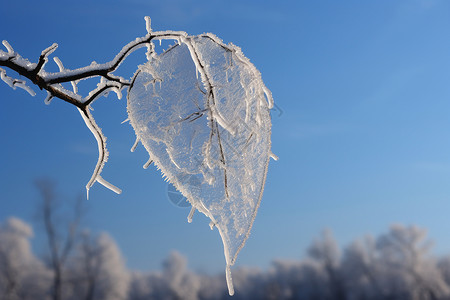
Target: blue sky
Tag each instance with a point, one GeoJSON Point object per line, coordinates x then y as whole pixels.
{"type": "Point", "coordinates": [363, 138]}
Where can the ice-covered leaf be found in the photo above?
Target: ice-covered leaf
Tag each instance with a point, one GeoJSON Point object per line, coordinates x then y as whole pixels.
{"type": "Point", "coordinates": [202, 111]}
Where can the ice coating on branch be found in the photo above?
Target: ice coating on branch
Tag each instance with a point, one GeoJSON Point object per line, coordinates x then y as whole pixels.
{"type": "Point", "coordinates": [21, 84]}
{"type": "Point", "coordinates": [214, 128]}
{"type": "Point", "coordinates": [48, 99]}
{"type": "Point", "coordinates": [14, 83]}
{"type": "Point", "coordinates": [47, 51]}
{"type": "Point", "coordinates": [59, 63]}
{"type": "Point", "coordinates": [148, 24]}
{"type": "Point", "coordinates": [6, 79]}
{"type": "Point", "coordinates": [8, 47]}
{"type": "Point", "coordinates": [103, 153]}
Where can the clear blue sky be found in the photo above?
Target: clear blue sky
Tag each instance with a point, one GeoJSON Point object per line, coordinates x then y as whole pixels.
{"type": "Point", "coordinates": [363, 138]}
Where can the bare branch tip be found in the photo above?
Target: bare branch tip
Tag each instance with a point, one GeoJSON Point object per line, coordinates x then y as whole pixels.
{"type": "Point", "coordinates": [49, 50]}
{"type": "Point", "coordinates": [21, 84]}
{"type": "Point", "coordinates": [8, 47]}
{"type": "Point", "coordinates": [59, 63]}
{"type": "Point", "coordinates": [108, 185]}
{"type": "Point", "coordinates": [148, 24]}
{"type": "Point", "coordinates": [48, 99]}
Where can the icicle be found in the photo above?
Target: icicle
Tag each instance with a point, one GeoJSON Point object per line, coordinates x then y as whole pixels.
{"type": "Point", "coordinates": [273, 156]}
{"type": "Point", "coordinates": [126, 120]}
{"type": "Point", "coordinates": [48, 99]}
{"type": "Point", "coordinates": [148, 163]}
{"type": "Point", "coordinates": [211, 225]}
{"type": "Point", "coordinates": [135, 145]}
{"type": "Point", "coordinates": [191, 214]}
{"type": "Point", "coordinates": [108, 185]}
{"type": "Point", "coordinates": [229, 280]}
{"type": "Point", "coordinates": [160, 42]}
{"type": "Point", "coordinates": [148, 24]}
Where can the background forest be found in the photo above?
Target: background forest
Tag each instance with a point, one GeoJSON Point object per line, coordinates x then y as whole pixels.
{"type": "Point", "coordinates": [81, 264]}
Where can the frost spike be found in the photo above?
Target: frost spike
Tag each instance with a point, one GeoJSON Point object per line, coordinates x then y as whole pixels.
{"type": "Point", "coordinates": [273, 156]}
{"type": "Point", "coordinates": [48, 99]}
{"type": "Point", "coordinates": [191, 214]}
{"type": "Point", "coordinates": [148, 163]}
{"type": "Point", "coordinates": [135, 144]}
{"type": "Point", "coordinates": [211, 225]}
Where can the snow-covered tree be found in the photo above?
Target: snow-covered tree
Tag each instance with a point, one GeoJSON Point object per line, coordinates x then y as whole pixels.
{"type": "Point", "coordinates": [61, 236]}
{"type": "Point", "coordinates": [326, 253]}
{"type": "Point", "coordinates": [409, 271]}
{"type": "Point", "coordinates": [98, 269]}
{"type": "Point", "coordinates": [361, 270]}
{"type": "Point", "coordinates": [22, 275]}
{"type": "Point", "coordinates": [182, 283]}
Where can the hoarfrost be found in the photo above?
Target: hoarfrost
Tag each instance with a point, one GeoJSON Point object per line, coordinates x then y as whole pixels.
{"type": "Point", "coordinates": [13, 83]}
{"type": "Point", "coordinates": [201, 111]}
{"type": "Point", "coordinates": [215, 128]}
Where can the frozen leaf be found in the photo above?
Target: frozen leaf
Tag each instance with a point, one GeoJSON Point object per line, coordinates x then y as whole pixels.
{"type": "Point", "coordinates": [202, 111]}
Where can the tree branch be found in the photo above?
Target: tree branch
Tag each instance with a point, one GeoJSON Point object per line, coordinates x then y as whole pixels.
{"type": "Point", "coordinates": [51, 82]}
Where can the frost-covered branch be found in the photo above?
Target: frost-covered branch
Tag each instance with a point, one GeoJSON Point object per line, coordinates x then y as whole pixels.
{"type": "Point", "coordinates": [52, 83]}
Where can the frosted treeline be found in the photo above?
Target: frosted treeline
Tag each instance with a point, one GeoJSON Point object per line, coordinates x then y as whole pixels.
{"type": "Point", "coordinates": [395, 265]}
